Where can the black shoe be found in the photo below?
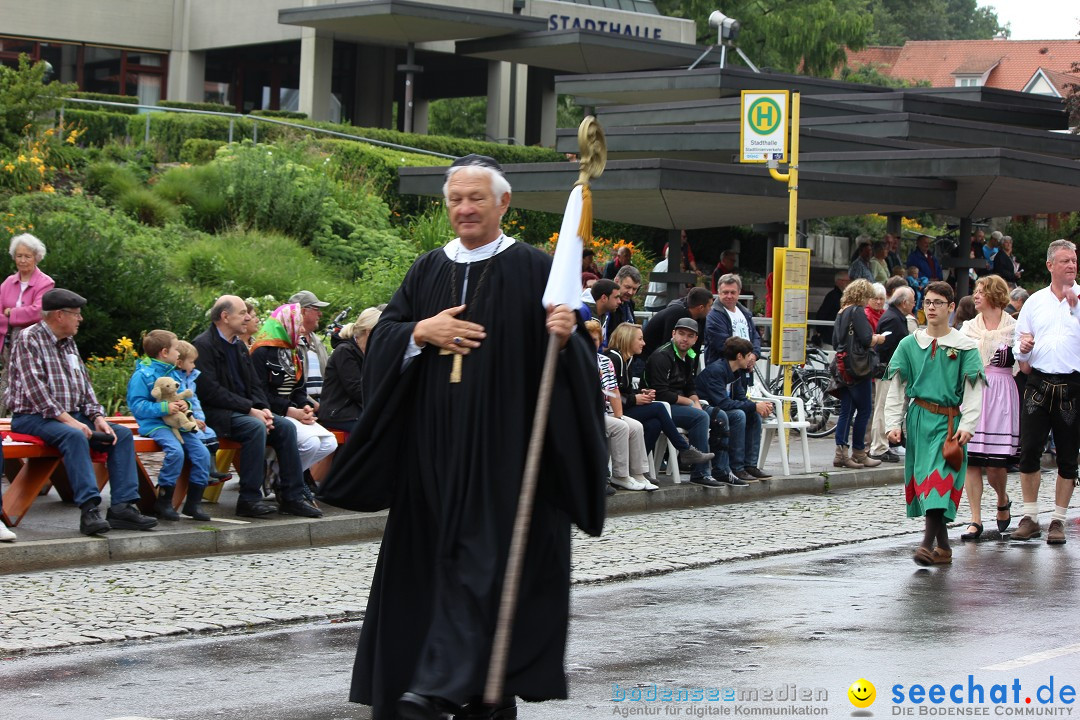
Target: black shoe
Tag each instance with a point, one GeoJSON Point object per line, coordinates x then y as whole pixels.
{"type": "Point", "coordinates": [609, 490]}
{"type": "Point", "coordinates": [91, 522]}
{"type": "Point", "coordinates": [300, 507]}
{"type": "Point", "coordinates": [756, 472]}
{"type": "Point", "coordinates": [412, 706]}
{"type": "Point", "coordinates": [505, 710]}
{"type": "Point", "coordinates": [706, 480]}
{"type": "Point", "coordinates": [254, 508]}
{"type": "Point", "coordinates": [193, 503]}
{"type": "Point", "coordinates": [743, 475]}
{"type": "Point", "coordinates": [735, 481]}
{"type": "Point", "coordinates": [163, 506]}
{"type": "Point", "coordinates": [888, 456]}
{"type": "Point", "coordinates": [126, 516]}
{"type": "Point", "coordinates": [216, 478]}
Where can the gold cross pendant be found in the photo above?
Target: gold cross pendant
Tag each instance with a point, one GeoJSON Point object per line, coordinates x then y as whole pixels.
{"type": "Point", "coordinates": [455, 368]}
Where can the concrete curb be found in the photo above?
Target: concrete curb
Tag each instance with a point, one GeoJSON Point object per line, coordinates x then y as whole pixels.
{"type": "Point", "coordinates": [187, 539]}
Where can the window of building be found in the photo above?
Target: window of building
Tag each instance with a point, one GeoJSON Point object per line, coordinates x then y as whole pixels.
{"type": "Point", "coordinates": [969, 81]}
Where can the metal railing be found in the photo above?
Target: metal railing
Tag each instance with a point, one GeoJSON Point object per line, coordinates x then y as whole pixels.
{"type": "Point", "coordinates": [256, 119]}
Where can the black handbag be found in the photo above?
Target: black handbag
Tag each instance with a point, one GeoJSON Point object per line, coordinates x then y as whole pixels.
{"type": "Point", "coordinates": [854, 362]}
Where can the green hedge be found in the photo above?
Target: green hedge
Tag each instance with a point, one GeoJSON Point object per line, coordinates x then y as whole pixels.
{"type": "Point", "coordinates": [283, 114]}
{"type": "Point", "coordinates": [105, 97]}
{"type": "Point", "coordinates": [377, 165]}
{"type": "Point", "coordinates": [449, 145]}
{"type": "Point", "coordinates": [172, 129]}
{"type": "Point", "coordinates": [103, 127]}
{"type": "Point", "coordinates": [199, 151]}
{"type": "Point", "coordinates": [211, 107]}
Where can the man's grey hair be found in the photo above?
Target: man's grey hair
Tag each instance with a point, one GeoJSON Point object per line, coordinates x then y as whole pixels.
{"type": "Point", "coordinates": [729, 279]}
{"type": "Point", "coordinates": [899, 296]}
{"type": "Point", "coordinates": [1018, 293]}
{"type": "Point", "coordinates": [996, 235]}
{"type": "Point", "coordinates": [223, 304]}
{"type": "Point", "coordinates": [32, 244]}
{"type": "Point", "coordinates": [628, 271]}
{"type": "Point", "coordinates": [1061, 244]}
{"type": "Point", "coordinates": [499, 185]}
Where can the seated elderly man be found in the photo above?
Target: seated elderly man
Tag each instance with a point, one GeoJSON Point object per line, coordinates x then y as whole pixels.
{"type": "Point", "coordinates": [50, 396]}
{"type": "Point", "coordinates": [315, 355]}
{"type": "Point", "coordinates": [236, 408]}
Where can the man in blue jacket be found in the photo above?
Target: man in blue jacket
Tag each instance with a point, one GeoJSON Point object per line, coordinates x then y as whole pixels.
{"type": "Point", "coordinates": [729, 319]}
{"type": "Point", "coordinates": [722, 384]}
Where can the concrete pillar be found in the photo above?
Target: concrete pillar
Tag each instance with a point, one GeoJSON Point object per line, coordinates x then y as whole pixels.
{"type": "Point", "coordinates": [421, 117]}
{"type": "Point", "coordinates": [549, 114]}
{"type": "Point", "coordinates": [498, 107]}
{"type": "Point", "coordinates": [187, 76]}
{"type": "Point", "coordinates": [962, 281]}
{"type": "Point", "coordinates": [893, 225]}
{"type": "Point", "coordinates": [541, 108]}
{"type": "Point", "coordinates": [316, 68]}
{"type": "Point", "coordinates": [374, 88]}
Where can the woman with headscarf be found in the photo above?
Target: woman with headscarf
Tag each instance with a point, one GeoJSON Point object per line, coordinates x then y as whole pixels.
{"type": "Point", "coordinates": [276, 354]}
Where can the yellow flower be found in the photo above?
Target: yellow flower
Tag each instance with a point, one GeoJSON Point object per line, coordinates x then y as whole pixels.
{"type": "Point", "coordinates": [9, 167]}
{"type": "Point", "coordinates": [70, 139]}
{"type": "Point", "coordinates": [21, 158]}
{"type": "Point", "coordinates": [48, 188]}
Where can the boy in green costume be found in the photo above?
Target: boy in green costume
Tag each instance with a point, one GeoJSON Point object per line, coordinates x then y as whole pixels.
{"type": "Point", "coordinates": [941, 372]}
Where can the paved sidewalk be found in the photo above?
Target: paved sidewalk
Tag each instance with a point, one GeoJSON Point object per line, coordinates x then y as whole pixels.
{"type": "Point", "coordinates": [49, 534]}
{"type": "Point", "coordinates": [149, 599]}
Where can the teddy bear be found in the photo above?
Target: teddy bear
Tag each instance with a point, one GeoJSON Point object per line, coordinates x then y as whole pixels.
{"type": "Point", "coordinates": [164, 390]}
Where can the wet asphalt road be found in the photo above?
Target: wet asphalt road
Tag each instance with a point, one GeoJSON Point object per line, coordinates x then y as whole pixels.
{"type": "Point", "coordinates": [1003, 612]}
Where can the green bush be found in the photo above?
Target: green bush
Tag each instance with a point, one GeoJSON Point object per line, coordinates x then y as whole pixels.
{"type": "Point", "coordinates": [25, 100]}
{"type": "Point", "coordinates": [106, 97]}
{"type": "Point", "coordinates": [199, 192]}
{"type": "Point", "coordinates": [120, 266]}
{"type": "Point", "coordinates": [198, 151]}
{"type": "Point", "coordinates": [282, 114]}
{"type": "Point", "coordinates": [110, 180]}
{"type": "Point", "coordinates": [377, 167]}
{"type": "Point", "coordinates": [1029, 246]}
{"type": "Point", "coordinates": [103, 127]}
{"type": "Point", "coordinates": [210, 107]}
{"type": "Point", "coordinates": [172, 129]}
{"type": "Point", "coordinates": [142, 204]}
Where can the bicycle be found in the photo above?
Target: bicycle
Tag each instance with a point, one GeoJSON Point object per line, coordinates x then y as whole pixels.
{"type": "Point", "coordinates": [809, 383]}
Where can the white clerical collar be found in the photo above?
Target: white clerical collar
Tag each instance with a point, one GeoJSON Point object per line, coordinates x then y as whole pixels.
{"type": "Point", "coordinates": [459, 253]}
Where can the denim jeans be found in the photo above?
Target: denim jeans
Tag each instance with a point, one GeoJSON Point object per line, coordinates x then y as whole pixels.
{"type": "Point", "coordinates": [251, 433]}
{"type": "Point", "coordinates": [696, 423]}
{"type": "Point", "coordinates": [855, 410]}
{"type": "Point", "coordinates": [655, 418]}
{"type": "Point", "coordinates": [74, 447]}
{"type": "Point", "coordinates": [175, 451]}
{"type": "Point", "coordinates": [744, 438]}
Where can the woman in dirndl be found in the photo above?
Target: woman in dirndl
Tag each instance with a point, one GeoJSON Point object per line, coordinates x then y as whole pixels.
{"type": "Point", "coordinates": [939, 370]}
{"type": "Point", "coordinates": [996, 443]}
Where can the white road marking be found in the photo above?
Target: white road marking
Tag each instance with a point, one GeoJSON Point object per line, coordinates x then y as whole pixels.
{"type": "Point", "coordinates": [1034, 658]}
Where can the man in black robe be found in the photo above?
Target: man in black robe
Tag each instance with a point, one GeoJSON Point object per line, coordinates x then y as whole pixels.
{"type": "Point", "coordinates": [450, 383]}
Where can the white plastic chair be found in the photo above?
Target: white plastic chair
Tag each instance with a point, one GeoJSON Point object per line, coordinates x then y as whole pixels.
{"type": "Point", "coordinates": [776, 425]}
{"type": "Point", "coordinates": [664, 447]}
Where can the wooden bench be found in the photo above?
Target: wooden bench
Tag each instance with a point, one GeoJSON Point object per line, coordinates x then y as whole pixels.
{"type": "Point", "coordinates": [30, 468]}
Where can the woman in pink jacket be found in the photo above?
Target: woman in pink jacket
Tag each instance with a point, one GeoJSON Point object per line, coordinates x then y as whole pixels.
{"type": "Point", "coordinates": [20, 295]}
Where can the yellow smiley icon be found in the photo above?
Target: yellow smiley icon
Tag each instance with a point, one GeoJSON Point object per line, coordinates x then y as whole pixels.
{"type": "Point", "coordinates": [862, 693]}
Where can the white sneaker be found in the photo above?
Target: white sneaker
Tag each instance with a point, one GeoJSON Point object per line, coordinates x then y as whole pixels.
{"type": "Point", "coordinates": [627, 483]}
{"type": "Point", "coordinates": [899, 450]}
{"type": "Point", "coordinates": [650, 486]}
{"type": "Point", "coordinates": [5, 534]}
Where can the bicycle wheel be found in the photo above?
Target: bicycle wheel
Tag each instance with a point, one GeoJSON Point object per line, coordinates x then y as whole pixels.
{"type": "Point", "coordinates": [822, 409]}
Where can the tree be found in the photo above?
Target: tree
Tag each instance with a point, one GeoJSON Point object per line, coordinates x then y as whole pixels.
{"type": "Point", "coordinates": [27, 100]}
{"type": "Point", "coordinates": [897, 21]}
{"type": "Point", "coordinates": [1072, 99]}
{"type": "Point", "coordinates": [463, 117]}
{"type": "Point", "coordinates": [806, 36]}
{"type": "Point", "coordinates": [870, 75]}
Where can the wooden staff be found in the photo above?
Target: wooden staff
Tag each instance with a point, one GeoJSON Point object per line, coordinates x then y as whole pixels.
{"type": "Point", "coordinates": [593, 158]}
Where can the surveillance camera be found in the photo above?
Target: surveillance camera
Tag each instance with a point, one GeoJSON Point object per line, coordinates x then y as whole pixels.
{"type": "Point", "coordinates": [728, 26]}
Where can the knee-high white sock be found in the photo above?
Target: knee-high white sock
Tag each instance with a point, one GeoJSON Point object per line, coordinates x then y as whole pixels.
{"type": "Point", "coordinates": [1031, 509]}
{"type": "Point", "coordinates": [1059, 513]}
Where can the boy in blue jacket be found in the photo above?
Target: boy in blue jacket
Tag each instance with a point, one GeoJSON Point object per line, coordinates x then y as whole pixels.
{"type": "Point", "coordinates": [186, 374]}
{"type": "Point", "coordinates": [160, 356]}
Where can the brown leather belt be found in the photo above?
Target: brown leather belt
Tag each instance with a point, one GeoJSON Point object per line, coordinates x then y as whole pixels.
{"type": "Point", "coordinates": [949, 412]}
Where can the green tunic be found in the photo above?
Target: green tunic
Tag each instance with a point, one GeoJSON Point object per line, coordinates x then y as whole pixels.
{"type": "Point", "coordinates": [937, 375]}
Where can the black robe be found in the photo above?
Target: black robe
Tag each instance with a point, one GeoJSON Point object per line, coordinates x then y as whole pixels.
{"type": "Point", "coordinates": [447, 459]}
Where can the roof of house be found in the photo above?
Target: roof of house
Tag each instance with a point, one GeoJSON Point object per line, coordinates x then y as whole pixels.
{"type": "Point", "coordinates": [1012, 63]}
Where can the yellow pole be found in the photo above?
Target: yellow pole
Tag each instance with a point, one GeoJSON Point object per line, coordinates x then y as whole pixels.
{"type": "Point", "coordinates": [793, 207]}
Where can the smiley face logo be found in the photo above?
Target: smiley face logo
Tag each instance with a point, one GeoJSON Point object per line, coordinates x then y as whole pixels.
{"type": "Point", "coordinates": [862, 693]}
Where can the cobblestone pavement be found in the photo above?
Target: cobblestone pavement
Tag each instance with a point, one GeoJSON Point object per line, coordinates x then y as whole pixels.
{"type": "Point", "coordinates": [141, 600]}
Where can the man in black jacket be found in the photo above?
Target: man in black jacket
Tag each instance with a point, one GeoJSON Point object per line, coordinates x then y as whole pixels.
{"type": "Point", "coordinates": [236, 408]}
{"type": "Point", "coordinates": [695, 305]}
{"type": "Point", "coordinates": [671, 372]}
{"type": "Point", "coordinates": [893, 324]}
